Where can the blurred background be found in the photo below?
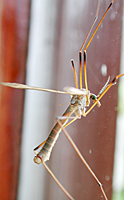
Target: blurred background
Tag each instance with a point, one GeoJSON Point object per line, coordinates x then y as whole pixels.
{"type": "Point", "coordinates": [37, 41]}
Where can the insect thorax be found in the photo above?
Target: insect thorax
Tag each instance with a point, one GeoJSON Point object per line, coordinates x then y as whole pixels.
{"type": "Point", "coordinates": [81, 101]}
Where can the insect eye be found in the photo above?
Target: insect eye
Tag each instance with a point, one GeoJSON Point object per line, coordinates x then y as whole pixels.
{"type": "Point", "coordinates": [93, 96]}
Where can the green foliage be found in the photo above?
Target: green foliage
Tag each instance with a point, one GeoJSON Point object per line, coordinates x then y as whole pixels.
{"type": "Point", "coordinates": [121, 97]}
{"type": "Point", "coordinates": [118, 195]}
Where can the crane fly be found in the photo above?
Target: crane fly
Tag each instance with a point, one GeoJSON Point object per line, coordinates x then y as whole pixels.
{"type": "Point", "coordinates": [80, 100]}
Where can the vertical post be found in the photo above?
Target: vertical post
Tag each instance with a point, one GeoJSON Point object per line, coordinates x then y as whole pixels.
{"type": "Point", "coordinates": [14, 26]}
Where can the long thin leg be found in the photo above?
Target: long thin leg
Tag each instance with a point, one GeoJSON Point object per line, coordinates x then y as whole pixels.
{"type": "Point", "coordinates": [83, 160]}
{"type": "Point", "coordinates": [85, 75]}
{"type": "Point", "coordinates": [56, 180]}
{"type": "Point", "coordinates": [73, 119]}
{"type": "Point", "coordinates": [80, 52]}
{"type": "Point", "coordinates": [95, 19]}
{"type": "Point", "coordinates": [70, 122]}
{"type": "Point", "coordinates": [99, 24]}
{"type": "Point", "coordinates": [107, 88]}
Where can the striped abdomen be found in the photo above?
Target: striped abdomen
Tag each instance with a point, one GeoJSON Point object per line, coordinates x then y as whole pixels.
{"type": "Point", "coordinates": [45, 152]}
